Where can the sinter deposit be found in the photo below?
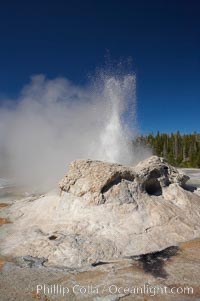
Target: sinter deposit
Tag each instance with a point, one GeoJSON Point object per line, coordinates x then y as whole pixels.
{"type": "Point", "coordinates": [105, 212]}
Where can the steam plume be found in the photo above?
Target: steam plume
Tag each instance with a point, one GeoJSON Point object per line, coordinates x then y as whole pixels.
{"type": "Point", "coordinates": [54, 122]}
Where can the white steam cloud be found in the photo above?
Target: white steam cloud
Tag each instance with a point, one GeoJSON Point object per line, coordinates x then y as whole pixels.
{"type": "Point", "coordinates": [54, 122]}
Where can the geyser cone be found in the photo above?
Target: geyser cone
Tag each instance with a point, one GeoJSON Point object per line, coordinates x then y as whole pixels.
{"type": "Point", "coordinates": [106, 211]}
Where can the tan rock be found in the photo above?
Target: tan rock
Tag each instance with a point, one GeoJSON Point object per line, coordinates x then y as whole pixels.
{"type": "Point", "coordinates": [94, 178]}
{"type": "Point", "coordinates": [105, 212]}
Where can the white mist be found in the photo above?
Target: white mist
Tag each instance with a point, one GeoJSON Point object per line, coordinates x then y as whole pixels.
{"type": "Point", "coordinates": [114, 141]}
{"type": "Point", "coordinates": [53, 122]}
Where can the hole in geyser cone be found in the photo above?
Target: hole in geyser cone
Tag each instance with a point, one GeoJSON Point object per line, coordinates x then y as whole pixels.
{"type": "Point", "coordinates": [95, 264]}
{"type": "Point", "coordinates": [117, 178]}
{"type": "Point", "coordinates": [153, 187]}
{"type": "Point", "coordinates": [52, 237]}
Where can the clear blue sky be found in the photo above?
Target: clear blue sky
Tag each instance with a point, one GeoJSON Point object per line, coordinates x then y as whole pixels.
{"type": "Point", "coordinates": [70, 38]}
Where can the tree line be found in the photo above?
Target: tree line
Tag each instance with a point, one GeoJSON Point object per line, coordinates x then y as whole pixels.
{"type": "Point", "coordinates": [181, 150]}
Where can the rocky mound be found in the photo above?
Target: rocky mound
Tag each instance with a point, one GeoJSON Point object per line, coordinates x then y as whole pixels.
{"type": "Point", "coordinates": [105, 212]}
{"type": "Point", "coordinates": [101, 182]}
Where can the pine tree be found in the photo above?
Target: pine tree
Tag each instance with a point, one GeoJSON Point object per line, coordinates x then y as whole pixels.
{"type": "Point", "coordinates": [180, 150]}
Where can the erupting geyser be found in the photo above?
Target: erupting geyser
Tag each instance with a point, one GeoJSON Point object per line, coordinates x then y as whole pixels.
{"type": "Point", "coordinates": [114, 144]}
{"type": "Point", "coordinates": [54, 122]}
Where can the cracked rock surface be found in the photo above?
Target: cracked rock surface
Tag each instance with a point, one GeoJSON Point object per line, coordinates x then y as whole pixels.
{"type": "Point", "coordinates": [105, 212]}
